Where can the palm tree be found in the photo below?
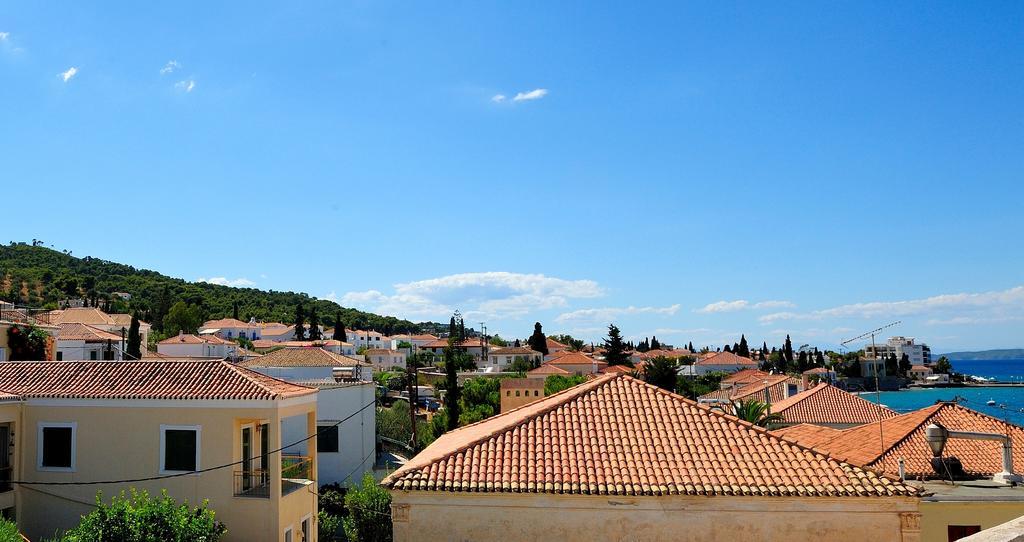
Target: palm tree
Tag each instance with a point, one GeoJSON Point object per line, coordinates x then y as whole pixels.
{"type": "Point", "coordinates": [661, 372]}
{"type": "Point", "coordinates": [755, 412]}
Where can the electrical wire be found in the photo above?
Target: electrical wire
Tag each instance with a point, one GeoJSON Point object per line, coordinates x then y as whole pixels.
{"type": "Point", "coordinates": [192, 473]}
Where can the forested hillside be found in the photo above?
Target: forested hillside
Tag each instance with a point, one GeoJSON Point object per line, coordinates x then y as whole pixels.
{"type": "Point", "coordinates": [41, 277]}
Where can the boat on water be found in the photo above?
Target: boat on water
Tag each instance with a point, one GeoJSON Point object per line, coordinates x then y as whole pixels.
{"type": "Point", "coordinates": [990, 402]}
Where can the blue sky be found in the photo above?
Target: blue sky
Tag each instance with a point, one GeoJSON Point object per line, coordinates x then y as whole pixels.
{"type": "Point", "coordinates": [694, 171]}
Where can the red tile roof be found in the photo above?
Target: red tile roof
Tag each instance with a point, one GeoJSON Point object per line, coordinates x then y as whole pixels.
{"type": "Point", "coordinates": [228, 323]}
{"type": "Point", "coordinates": [303, 357]}
{"type": "Point", "coordinates": [777, 386]}
{"type": "Point", "coordinates": [575, 358]}
{"type": "Point", "coordinates": [809, 434]}
{"type": "Point", "coordinates": [472, 342]}
{"type": "Point", "coordinates": [616, 435]}
{"type": "Point", "coordinates": [548, 370]}
{"type": "Point", "coordinates": [624, 369]}
{"type": "Point", "coordinates": [81, 315]}
{"type": "Point", "coordinates": [177, 379]}
{"type": "Point", "coordinates": [85, 332]}
{"type": "Point", "coordinates": [827, 404]}
{"type": "Point", "coordinates": [745, 376]}
{"type": "Point", "coordinates": [188, 338]}
{"type": "Point", "coordinates": [726, 358]}
{"type": "Point", "coordinates": [553, 344]}
{"type": "Point", "coordinates": [904, 437]}
{"type": "Point", "coordinates": [514, 351]}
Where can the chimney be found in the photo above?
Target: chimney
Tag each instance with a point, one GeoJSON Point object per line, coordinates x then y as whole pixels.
{"type": "Point", "coordinates": [805, 382]}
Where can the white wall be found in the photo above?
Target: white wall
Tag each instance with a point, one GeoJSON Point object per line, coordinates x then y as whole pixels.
{"type": "Point", "coordinates": [356, 436]}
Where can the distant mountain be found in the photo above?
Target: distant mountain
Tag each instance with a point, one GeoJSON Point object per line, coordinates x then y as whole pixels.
{"type": "Point", "coordinates": [41, 277]}
{"type": "Point", "coordinates": [1007, 353]}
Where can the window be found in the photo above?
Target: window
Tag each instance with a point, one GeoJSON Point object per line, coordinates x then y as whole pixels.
{"type": "Point", "coordinates": [60, 355]}
{"type": "Point", "coordinates": [305, 529]}
{"type": "Point", "coordinates": [179, 448]}
{"type": "Point", "coordinates": [956, 532]}
{"type": "Point", "coordinates": [92, 355]}
{"type": "Point", "coordinates": [327, 439]}
{"type": "Point", "coordinates": [508, 393]}
{"type": "Point", "coordinates": [517, 393]}
{"type": "Point", "coordinates": [288, 535]}
{"type": "Point", "coordinates": [57, 446]}
{"type": "Point", "coordinates": [536, 393]}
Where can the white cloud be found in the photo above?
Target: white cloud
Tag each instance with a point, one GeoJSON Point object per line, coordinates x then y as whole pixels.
{"type": "Point", "coordinates": [534, 94]}
{"type": "Point", "coordinates": [490, 294]}
{"type": "Point", "coordinates": [993, 303]}
{"type": "Point", "coordinates": [187, 85]}
{"type": "Point", "coordinates": [4, 36]}
{"type": "Point", "coordinates": [170, 67]}
{"type": "Point", "coordinates": [742, 304]}
{"type": "Point", "coordinates": [67, 75]}
{"type": "Point", "coordinates": [240, 282]}
{"type": "Point", "coordinates": [498, 98]}
{"type": "Point", "coordinates": [608, 314]}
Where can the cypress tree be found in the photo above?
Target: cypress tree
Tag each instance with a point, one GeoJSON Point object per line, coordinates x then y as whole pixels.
{"type": "Point", "coordinates": [615, 348]}
{"type": "Point", "coordinates": [655, 345]}
{"type": "Point", "coordinates": [451, 328]}
{"type": "Point", "coordinates": [339, 328]}
{"type": "Point", "coordinates": [314, 324]}
{"type": "Point", "coordinates": [727, 349]}
{"type": "Point", "coordinates": [743, 349]}
{"type": "Point", "coordinates": [452, 392]}
{"type": "Point", "coordinates": [134, 338]}
{"type": "Point", "coordinates": [787, 350]}
{"type": "Point", "coordinates": [300, 321]}
{"type": "Point", "coordinates": [819, 359]}
{"type": "Point", "coordinates": [690, 347]}
{"type": "Point", "coordinates": [234, 310]}
{"type": "Point", "coordinates": [538, 341]}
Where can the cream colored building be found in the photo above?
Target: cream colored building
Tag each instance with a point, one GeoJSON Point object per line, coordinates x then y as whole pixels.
{"type": "Point", "coordinates": [615, 458]}
{"type": "Point", "coordinates": [516, 392]}
{"type": "Point", "coordinates": [173, 420]}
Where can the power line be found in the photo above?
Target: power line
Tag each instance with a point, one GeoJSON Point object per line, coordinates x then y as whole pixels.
{"type": "Point", "coordinates": [190, 473]}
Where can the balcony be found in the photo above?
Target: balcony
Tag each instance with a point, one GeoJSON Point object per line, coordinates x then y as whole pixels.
{"type": "Point", "coordinates": [296, 471]}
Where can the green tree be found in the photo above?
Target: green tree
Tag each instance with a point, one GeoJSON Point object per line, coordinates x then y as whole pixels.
{"type": "Point", "coordinates": [9, 531]}
{"type": "Point", "coordinates": [787, 351]}
{"type": "Point", "coordinates": [538, 341]}
{"type": "Point", "coordinates": [339, 329]}
{"type": "Point", "coordinates": [556, 383]}
{"type": "Point", "coordinates": [314, 324]}
{"type": "Point", "coordinates": [496, 340]}
{"type": "Point", "coordinates": [755, 412]}
{"type": "Point", "coordinates": [892, 365]}
{"type": "Point", "coordinates": [743, 349]}
{"type": "Point", "coordinates": [942, 366]}
{"type": "Point", "coordinates": [369, 512]}
{"type": "Point", "coordinates": [300, 323]}
{"type": "Point", "coordinates": [661, 372]}
{"type": "Point", "coordinates": [27, 343]}
{"type": "Point", "coordinates": [137, 516]}
{"type": "Point", "coordinates": [234, 310]}
{"type": "Point", "coordinates": [451, 371]}
{"type": "Point", "coordinates": [134, 338]}
{"type": "Point", "coordinates": [615, 349]}
{"type": "Point", "coordinates": [904, 365]}
{"type": "Point", "coordinates": [182, 317]}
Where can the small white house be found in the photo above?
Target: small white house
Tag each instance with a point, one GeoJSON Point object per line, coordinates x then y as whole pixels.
{"type": "Point", "coordinates": [186, 345]}
{"type": "Point", "coordinates": [384, 360]}
{"type": "Point", "coordinates": [501, 359]}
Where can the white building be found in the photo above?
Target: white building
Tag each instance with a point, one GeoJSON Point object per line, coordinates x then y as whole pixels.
{"type": "Point", "coordinates": [92, 316]}
{"type": "Point", "coordinates": [186, 345]}
{"type": "Point", "coordinates": [230, 328]}
{"type": "Point", "coordinates": [919, 353]}
{"type": "Point", "coordinates": [346, 451]}
{"type": "Point", "coordinates": [417, 341]}
{"type": "Point", "coordinates": [79, 342]}
{"type": "Point", "coordinates": [500, 359]}
{"type": "Point", "coordinates": [384, 360]}
{"type": "Point", "coordinates": [367, 339]}
{"type": "Point", "coordinates": [722, 362]}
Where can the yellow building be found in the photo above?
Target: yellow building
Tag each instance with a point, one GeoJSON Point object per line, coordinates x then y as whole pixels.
{"type": "Point", "coordinates": [206, 430]}
{"type": "Point", "coordinates": [516, 392]}
{"type": "Point", "coordinates": [618, 459]}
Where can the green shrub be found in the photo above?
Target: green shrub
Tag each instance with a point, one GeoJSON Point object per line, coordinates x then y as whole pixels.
{"type": "Point", "coordinates": [140, 517]}
{"type": "Point", "coordinates": [369, 512]}
{"type": "Point", "coordinates": [9, 531]}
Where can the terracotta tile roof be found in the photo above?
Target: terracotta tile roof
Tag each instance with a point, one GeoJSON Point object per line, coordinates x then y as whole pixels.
{"type": "Point", "coordinates": [553, 344]}
{"type": "Point", "coordinates": [124, 320]}
{"type": "Point", "coordinates": [188, 338]}
{"type": "Point", "coordinates": [809, 434]}
{"type": "Point", "coordinates": [514, 351]}
{"type": "Point", "coordinates": [546, 369]}
{"type": "Point", "coordinates": [228, 323]}
{"type": "Point", "coordinates": [617, 369]}
{"type": "Point", "coordinates": [904, 437]}
{"type": "Point", "coordinates": [81, 315]}
{"type": "Point", "coordinates": [276, 331]}
{"type": "Point", "coordinates": [472, 342]}
{"type": "Point", "coordinates": [555, 355]}
{"type": "Point", "coordinates": [616, 435]}
{"type": "Point", "coordinates": [307, 344]}
{"type": "Point", "coordinates": [726, 358]}
{"type": "Point", "coordinates": [8, 397]}
{"type": "Point", "coordinates": [164, 379]}
{"type": "Point", "coordinates": [303, 357]}
{"type": "Point", "coordinates": [521, 383]}
{"type": "Point", "coordinates": [817, 371]}
{"type": "Point", "coordinates": [85, 332]}
{"type": "Point", "coordinates": [575, 358]}
{"type": "Point", "coordinates": [827, 404]}
{"type": "Point", "coordinates": [671, 354]}
{"type": "Point", "coordinates": [777, 386]}
{"type": "Point", "coordinates": [745, 376]}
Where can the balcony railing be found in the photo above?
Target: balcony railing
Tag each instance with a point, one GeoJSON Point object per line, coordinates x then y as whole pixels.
{"type": "Point", "coordinates": [296, 473]}
{"type": "Point", "coordinates": [24, 315]}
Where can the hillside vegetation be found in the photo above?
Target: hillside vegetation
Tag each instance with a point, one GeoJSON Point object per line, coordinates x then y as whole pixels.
{"type": "Point", "coordinates": [41, 277]}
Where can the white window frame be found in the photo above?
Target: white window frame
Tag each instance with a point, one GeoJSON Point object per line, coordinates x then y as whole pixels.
{"type": "Point", "coordinates": [163, 445]}
{"type": "Point", "coordinates": [74, 446]}
{"type": "Point", "coordinates": [289, 531]}
{"type": "Point", "coordinates": [308, 519]}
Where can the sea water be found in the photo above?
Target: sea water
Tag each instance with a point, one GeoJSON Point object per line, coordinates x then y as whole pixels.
{"type": "Point", "coordinates": [1009, 400]}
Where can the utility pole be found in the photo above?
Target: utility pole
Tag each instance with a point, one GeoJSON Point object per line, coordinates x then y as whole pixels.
{"type": "Point", "coordinates": [874, 369]}
{"type": "Point", "coordinates": [410, 374]}
{"type": "Point", "coordinates": [483, 342]}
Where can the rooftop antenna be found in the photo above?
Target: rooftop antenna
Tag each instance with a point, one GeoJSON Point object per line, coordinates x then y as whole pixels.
{"type": "Point", "coordinates": [874, 358]}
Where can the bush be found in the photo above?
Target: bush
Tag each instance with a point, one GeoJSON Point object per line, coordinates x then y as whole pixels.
{"type": "Point", "coordinates": [369, 512]}
{"type": "Point", "coordinates": [138, 516]}
{"type": "Point", "coordinates": [9, 531]}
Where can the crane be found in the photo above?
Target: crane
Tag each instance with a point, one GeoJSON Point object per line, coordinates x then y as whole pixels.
{"type": "Point", "coordinates": [871, 334]}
